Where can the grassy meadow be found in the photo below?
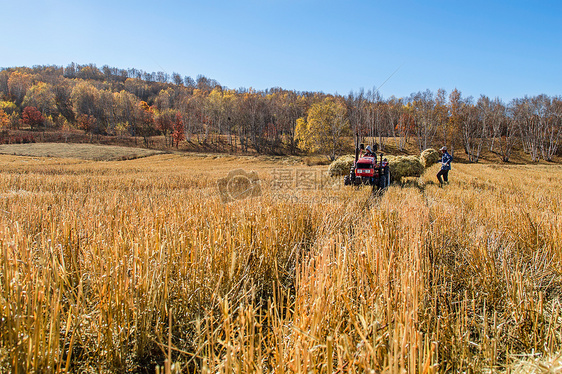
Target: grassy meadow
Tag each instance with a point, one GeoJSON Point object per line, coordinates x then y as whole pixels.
{"type": "Point", "coordinates": [141, 266]}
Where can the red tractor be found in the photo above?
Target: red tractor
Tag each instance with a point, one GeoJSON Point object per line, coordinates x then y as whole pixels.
{"type": "Point", "coordinates": [369, 169]}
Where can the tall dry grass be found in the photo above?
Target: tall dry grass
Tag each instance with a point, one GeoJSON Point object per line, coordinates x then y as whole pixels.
{"type": "Point", "coordinates": [138, 266]}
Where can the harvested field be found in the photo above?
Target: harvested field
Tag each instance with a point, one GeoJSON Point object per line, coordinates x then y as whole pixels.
{"type": "Point", "coordinates": [129, 265]}
{"type": "Point", "coordinates": [72, 150]}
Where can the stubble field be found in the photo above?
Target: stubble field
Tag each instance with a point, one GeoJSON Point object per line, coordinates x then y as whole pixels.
{"type": "Point", "coordinates": [144, 265]}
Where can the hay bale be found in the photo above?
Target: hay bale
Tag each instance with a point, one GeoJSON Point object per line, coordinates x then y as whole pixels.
{"type": "Point", "coordinates": [404, 166]}
{"type": "Point", "coordinates": [429, 157]}
{"type": "Point", "coordinates": [400, 166]}
{"type": "Point", "coordinates": [341, 165]}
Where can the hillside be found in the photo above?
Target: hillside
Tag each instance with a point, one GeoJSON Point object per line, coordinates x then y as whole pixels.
{"type": "Point", "coordinates": [83, 103]}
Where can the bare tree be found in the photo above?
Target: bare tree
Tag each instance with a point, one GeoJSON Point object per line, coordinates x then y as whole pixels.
{"type": "Point", "coordinates": [441, 113]}
{"type": "Point", "coordinates": [550, 129]}
{"type": "Point", "coordinates": [177, 79]}
{"type": "Point", "coordinates": [527, 119]}
{"type": "Point", "coordinates": [357, 112]}
{"type": "Point", "coordinates": [504, 128]}
{"type": "Point", "coordinates": [394, 112]}
{"type": "Point", "coordinates": [473, 127]}
{"type": "Point", "coordinates": [497, 111]}
{"type": "Point", "coordinates": [423, 106]}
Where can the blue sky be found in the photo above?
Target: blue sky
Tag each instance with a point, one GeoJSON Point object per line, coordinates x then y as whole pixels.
{"type": "Point", "coordinates": [506, 49]}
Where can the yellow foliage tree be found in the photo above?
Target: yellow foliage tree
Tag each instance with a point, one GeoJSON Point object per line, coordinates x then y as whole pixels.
{"type": "Point", "coordinates": [325, 128]}
{"type": "Point", "coordinates": [4, 120]}
{"type": "Point", "coordinates": [18, 84]}
{"type": "Point", "coordinates": [42, 97]}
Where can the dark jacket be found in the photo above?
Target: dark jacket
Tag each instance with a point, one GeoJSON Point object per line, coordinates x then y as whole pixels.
{"type": "Point", "coordinates": [446, 161]}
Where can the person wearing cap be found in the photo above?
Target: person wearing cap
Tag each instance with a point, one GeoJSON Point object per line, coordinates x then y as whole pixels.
{"type": "Point", "coordinates": [446, 159]}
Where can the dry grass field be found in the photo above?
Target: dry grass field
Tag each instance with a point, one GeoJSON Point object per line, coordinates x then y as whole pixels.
{"type": "Point", "coordinates": [144, 266]}
{"type": "Point", "coordinates": [72, 150]}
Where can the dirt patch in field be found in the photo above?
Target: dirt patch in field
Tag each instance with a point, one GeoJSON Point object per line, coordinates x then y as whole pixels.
{"type": "Point", "coordinates": [81, 151]}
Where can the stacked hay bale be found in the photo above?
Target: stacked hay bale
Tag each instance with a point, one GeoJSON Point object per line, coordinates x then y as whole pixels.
{"type": "Point", "coordinates": [404, 166]}
{"type": "Point", "coordinates": [429, 157]}
{"type": "Point", "coordinates": [400, 166]}
{"type": "Point", "coordinates": [341, 165]}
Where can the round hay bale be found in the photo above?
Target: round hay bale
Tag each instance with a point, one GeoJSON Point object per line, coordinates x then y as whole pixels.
{"type": "Point", "coordinates": [429, 157]}
{"type": "Point", "coordinates": [341, 165]}
{"type": "Point", "coordinates": [404, 166]}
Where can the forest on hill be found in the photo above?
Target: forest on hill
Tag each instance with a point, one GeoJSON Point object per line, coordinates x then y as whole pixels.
{"type": "Point", "coordinates": [124, 103]}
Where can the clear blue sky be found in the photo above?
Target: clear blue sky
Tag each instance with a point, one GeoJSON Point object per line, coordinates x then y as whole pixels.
{"type": "Point", "coordinates": [498, 48]}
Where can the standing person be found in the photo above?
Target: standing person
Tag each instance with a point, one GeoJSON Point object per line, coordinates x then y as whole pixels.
{"type": "Point", "coordinates": [446, 159]}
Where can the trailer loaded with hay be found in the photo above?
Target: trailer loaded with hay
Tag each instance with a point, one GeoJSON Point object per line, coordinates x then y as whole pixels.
{"type": "Point", "coordinates": [369, 169]}
{"type": "Point", "coordinates": [379, 170]}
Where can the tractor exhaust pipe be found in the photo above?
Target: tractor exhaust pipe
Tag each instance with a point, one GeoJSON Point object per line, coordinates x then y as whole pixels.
{"type": "Point", "coordinates": [356, 147]}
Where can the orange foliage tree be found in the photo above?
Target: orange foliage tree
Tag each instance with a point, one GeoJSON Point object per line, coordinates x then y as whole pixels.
{"type": "Point", "coordinates": [32, 117]}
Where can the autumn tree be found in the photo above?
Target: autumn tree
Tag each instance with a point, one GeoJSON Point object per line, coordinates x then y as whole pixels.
{"type": "Point", "coordinates": [85, 99]}
{"type": "Point", "coordinates": [325, 128]}
{"type": "Point", "coordinates": [198, 116]}
{"type": "Point", "coordinates": [62, 90]}
{"type": "Point", "coordinates": [285, 108]}
{"type": "Point", "coordinates": [4, 120]}
{"type": "Point", "coordinates": [250, 117]}
{"type": "Point", "coordinates": [18, 84]}
{"type": "Point", "coordinates": [215, 106]}
{"type": "Point", "coordinates": [178, 134]}
{"type": "Point", "coordinates": [88, 100]}
{"type": "Point", "coordinates": [4, 90]}
{"type": "Point", "coordinates": [164, 122]}
{"type": "Point", "coordinates": [405, 127]}
{"type": "Point", "coordinates": [8, 107]}
{"type": "Point", "coordinates": [187, 108]}
{"type": "Point", "coordinates": [137, 87]}
{"type": "Point", "coordinates": [146, 122]}
{"type": "Point", "coordinates": [32, 117]}
{"type": "Point", "coordinates": [89, 72]}
{"type": "Point", "coordinates": [126, 108]}
{"type": "Point", "coordinates": [164, 100]}
{"type": "Point", "coordinates": [42, 97]}
{"type": "Point", "coordinates": [106, 112]}
{"type": "Point", "coordinates": [87, 123]}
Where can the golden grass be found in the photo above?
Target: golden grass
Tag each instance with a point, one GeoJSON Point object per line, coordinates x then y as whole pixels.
{"type": "Point", "coordinates": [139, 266]}
{"type": "Point", "coordinates": [80, 151]}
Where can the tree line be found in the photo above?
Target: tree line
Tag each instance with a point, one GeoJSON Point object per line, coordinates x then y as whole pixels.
{"type": "Point", "coordinates": [119, 102]}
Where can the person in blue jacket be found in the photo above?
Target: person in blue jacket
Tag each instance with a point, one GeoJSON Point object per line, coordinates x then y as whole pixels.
{"type": "Point", "coordinates": [446, 159]}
